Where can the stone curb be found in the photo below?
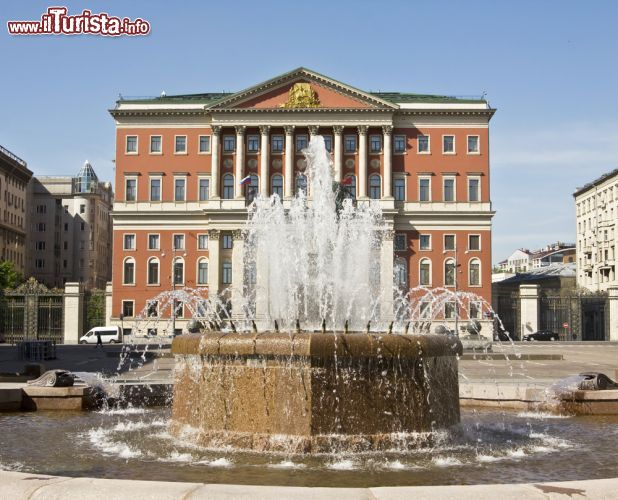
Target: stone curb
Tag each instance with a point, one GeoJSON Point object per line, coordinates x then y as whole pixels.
{"type": "Point", "coordinates": [19, 485]}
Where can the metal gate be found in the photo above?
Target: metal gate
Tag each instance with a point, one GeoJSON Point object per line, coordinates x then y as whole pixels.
{"type": "Point", "coordinates": [508, 311]}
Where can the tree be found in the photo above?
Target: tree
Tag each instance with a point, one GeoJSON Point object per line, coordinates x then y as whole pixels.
{"type": "Point", "coordinates": [9, 277]}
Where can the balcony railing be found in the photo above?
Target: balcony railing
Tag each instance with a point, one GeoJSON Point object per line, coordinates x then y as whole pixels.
{"type": "Point", "coordinates": [16, 158]}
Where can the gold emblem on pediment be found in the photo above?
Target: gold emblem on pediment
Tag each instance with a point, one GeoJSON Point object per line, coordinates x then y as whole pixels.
{"type": "Point", "coordinates": [301, 95]}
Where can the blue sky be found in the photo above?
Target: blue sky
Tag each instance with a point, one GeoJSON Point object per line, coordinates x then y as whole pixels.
{"type": "Point", "coordinates": [548, 66]}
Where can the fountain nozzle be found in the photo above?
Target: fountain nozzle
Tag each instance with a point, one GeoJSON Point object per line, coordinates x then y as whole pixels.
{"type": "Point", "coordinates": [368, 326]}
{"type": "Point", "coordinates": [233, 326]}
{"type": "Point", "coordinates": [407, 327]}
{"type": "Point", "coordinates": [345, 327]}
{"type": "Point", "coordinates": [324, 325]}
{"type": "Point", "coordinates": [390, 328]}
{"type": "Point", "coordinates": [255, 330]}
{"type": "Point", "coordinates": [297, 325]}
{"type": "Point", "coordinates": [276, 326]}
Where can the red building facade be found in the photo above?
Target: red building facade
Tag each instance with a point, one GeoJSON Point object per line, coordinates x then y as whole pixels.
{"type": "Point", "coordinates": [179, 207]}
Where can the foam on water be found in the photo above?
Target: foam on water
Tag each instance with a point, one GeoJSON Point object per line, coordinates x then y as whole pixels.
{"type": "Point", "coordinates": [541, 415]}
{"type": "Point", "coordinates": [287, 464]}
{"type": "Point", "coordinates": [100, 439]}
{"type": "Point", "coordinates": [344, 464]}
{"type": "Point", "coordinates": [447, 461]}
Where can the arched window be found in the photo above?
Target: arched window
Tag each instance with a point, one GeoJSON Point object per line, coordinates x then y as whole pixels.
{"type": "Point", "coordinates": [375, 187]}
{"type": "Point", "coordinates": [227, 273]}
{"type": "Point", "coordinates": [277, 185]}
{"type": "Point", "coordinates": [202, 272]}
{"type": "Point", "coordinates": [128, 271]}
{"type": "Point", "coordinates": [252, 189]}
{"type": "Point", "coordinates": [301, 184]}
{"type": "Point", "coordinates": [449, 272]}
{"type": "Point", "coordinates": [153, 271]}
{"type": "Point", "coordinates": [401, 273]}
{"type": "Point", "coordinates": [425, 272]}
{"type": "Point", "coordinates": [228, 187]}
{"type": "Point", "coordinates": [474, 272]}
{"type": "Point", "coordinates": [349, 186]}
{"type": "Point", "coordinates": [179, 271]}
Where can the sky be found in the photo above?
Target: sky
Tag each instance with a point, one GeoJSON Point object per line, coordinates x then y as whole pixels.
{"type": "Point", "coordinates": [549, 67]}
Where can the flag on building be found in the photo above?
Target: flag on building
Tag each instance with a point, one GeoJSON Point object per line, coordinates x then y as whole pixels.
{"type": "Point", "coordinates": [246, 180]}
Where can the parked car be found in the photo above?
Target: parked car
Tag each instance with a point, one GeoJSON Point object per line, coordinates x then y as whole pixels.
{"type": "Point", "coordinates": [109, 335]}
{"type": "Point", "coordinates": [541, 335]}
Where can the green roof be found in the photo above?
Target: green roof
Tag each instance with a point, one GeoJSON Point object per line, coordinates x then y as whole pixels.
{"type": "Point", "coordinates": [398, 97]}
{"type": "Point", "coordinates": [206, 98]}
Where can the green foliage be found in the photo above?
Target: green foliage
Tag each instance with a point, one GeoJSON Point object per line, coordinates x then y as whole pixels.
{"type": "Point", "coordinates": [95, 308]}
{"type": "Point", "coordinates": [9, 277]}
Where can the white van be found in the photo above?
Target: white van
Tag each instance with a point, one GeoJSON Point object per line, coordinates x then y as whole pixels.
{"type": "Point", "coordinates": [109, 335]}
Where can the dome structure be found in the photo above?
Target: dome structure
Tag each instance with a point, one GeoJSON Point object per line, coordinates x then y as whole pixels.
{"type": "Point", "coordinates": [86, 179]}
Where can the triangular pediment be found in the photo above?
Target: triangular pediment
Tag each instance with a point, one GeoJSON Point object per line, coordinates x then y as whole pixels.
{"type": "Point", "coordinates": [301, 89]}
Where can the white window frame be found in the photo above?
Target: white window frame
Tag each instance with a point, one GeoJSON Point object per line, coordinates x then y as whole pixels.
{"type": "Point", "coordinates": [150, 259]}
{"type": "Point", "coordinates": [198, 241]}
{"type": "Point", "coordinates": [184, 241]}
{"type": "Point", "coordinates": [419, 243]}
{"type": "Point", "coordinates": [160, 179]}
{"type": "Point", "coordinates": [176, 259]}
{"type": "Point", "coordinates": [475, 249]}
{"type": "Point", "coordinates": [228, 151]}
{"type": "Point", "coordinates": [253, 151]}
{"type": "Point", "coordinates": [480, 284]}
{"type": "Point", "coordinates": [445, 262]}
{"type": "Point", "coordinates": [124, 236]}
{"type": "Point", "coordinates": [199, 144]}
{"type": "Point", "coordinates": [223, 272]}
{"type": "Point", "coordinates": [405, 187]}
{"type": "Point", "coordinates": [124, 262]}
{"type": "Point", "coordinates": [199, 189]}
{"type": "Point", "coordinates": [478, 144]}
{"type": "Point", "coordinates": [158, 241]}
{"type": "Point", "coordinates": [345, 150]}
{"type": "Point", "coordinates": [373, 176]}
{"type": "Point", "coordinates": [223, 186]}
{"type": "Point", "coordinates": [150, 151]}
{"type": "Point", "coordinates": [420, 262]}
{"type": "Point", "coordinates": [444, 179]}
{"type": "Point", "coordinates": [128, 301]}
{"type": "Point", "coordinates": [454, 144]}
{"type": "Point", "coordinates": [183, 178]}
{"type": "Point", "coordinates": [272, 191]}
{"type": "Point", "coordinates": [423, 177]}
{"type": "Point", "coordinates": [197, 271]}
{"type": "Point", "coordinates": [176, 152]}
{"type": "Point", "coordinates": [454, 242]}
{"type": "Point", "coordinates": [272, 144]}
{"type": "Point", "coordinates": [480, 194]}
{"type": "Point", "coordinates": [131, 178]}
{"type": "Point", "coordinates": [418, 144]}
{"type": "Point", "coordinates": [405, 144]}
{"type": "Point", "coordinates": [379, 151]}
{"type": "Point", "coordinates": [126, 145]}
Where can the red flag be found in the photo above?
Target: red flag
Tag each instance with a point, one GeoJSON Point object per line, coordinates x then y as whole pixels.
{"type": "Point", "coordinates": [347, 181]}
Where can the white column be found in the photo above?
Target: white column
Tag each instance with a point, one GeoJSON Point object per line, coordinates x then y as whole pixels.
{"type": "Point", "coordinates": [214, 161]}
{"type": "Point", "coordinates": [240, 159]}
{"type": "Point", "coordinates": [362, 161]}
{"type": "Point", "coordinates": [388, 161]}
{"type": "Point", "coordinates": [73, 312]}
{"type": "Point", "coordinates": [289, 161]}
{"type": "Point", "coordinates": [386, 275]}
{"type": "Point", "coordinates": [238, 274]}
{"type": "Point", "coordinates": [613, 314]}
{"type": "Point", "coordinates": [214, 263]}
{"type": "Point", "coordinates": [338, 131]}
{"type": "Point", "coordinates": [529, 304]}
{"type": "Point", "coordinates": [264, 150]}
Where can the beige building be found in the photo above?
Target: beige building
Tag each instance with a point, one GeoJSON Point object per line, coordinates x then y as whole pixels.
{"type": "Point", "coordinates": [14, 177]}
{"type": "Point", "coordinates": [596, 206]}
{"type": "Point", "coordinates": [71, 230]}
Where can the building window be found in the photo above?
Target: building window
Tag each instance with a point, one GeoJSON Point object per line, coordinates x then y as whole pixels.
{"type": "Point", "coordinates": [276, 145]}
{"type": "Point", "coordinates": [40, 245]}
{"type": "Point", "coordinates": [401, 273]}
{"type": "Point", "coordinates": [449, 189]}
{"type": "Point", "coordinates": [227, 241]}
{"type": "Point", "coordinates": [155, 189]}
{"type": "Point", "coordinates": [449, 272]}
{"type": "Point", "coordinates": [473, 189]}
{"type": "Point", "coordinates": [350, 144]}
{"type": "Point", "coordinates": [301, 142]}
{"type": "Point", "coordinates": [41, 227]}
{"type": "Point", "coordinates": [349, 186]}
{"type": "Point", "coordinates": [474, 242]}
{"type": "Point", "coordinates": [179, 189]}
{"type": "Point", "coordinates": [129, 242]}
{"type": "Point", "coordinates": [399, 142]}
{"type": "Point", "coordinates": [202, 242]}
{"type": "Point", "coordinates": [130, 189]}
{"type": "Point", "coordinates": [425, 272]}
{"type": "Point", "coordinates": [301, 184]}
{"type": "Point", "coordinates": [39, 263]}
{"type": "Point", "coordinates": [202, 272]}
{"type": "Point", "coordinates": [131, 144]}
{"type": "Point", "coordinates": [153, 242]}
{"type": "Point", "coordinates": [82, 209]}
{"type": "Point", "coordinates": [128, 275]}
{"type": "Point", "coordinates": [153, 310]}
{"type": "Point", "coordinates": [252, 189]}
{"type": "Point", "coordinates": [375, 187]}
{"type": "Point", "coordinates": [153, 272]}
{"type": "Point", "coordinates": [181, 144]}
{"type": "Point", "coordinates": [155, 144]}
{"type": "Point", "coordinates": [253, 143]}
{"type": "Point", "coordinates": [400, 242]}
{"type": "Point", "coordinates": [179, 272]}
{"type": "Point", "coordinates": [204, 144]}
{"type": "Point", "coordinates": [449, 310]}
{"type": "Point", "coordinates": [277, 185]}
{"type": "Point", "coordinates": [475, 272]}
{"type": "Point", "coordinates": [449, 242]}
{"type": "Point", "coordinates": [424, 189]}
{"type": "Point", "coordinates": [448, 144]}
{"type": "Point", "coordinates": [228, 187]}
{"type": "Point", "coordinates": [473, 144]}
{"type": "Point", "coordinates": [425, 241]}
{"type": "Point", "coordinates": [227, 273]}
{"type": "Point", "coordinates": [204, 189]}
{"type": "Point", "coordinates": [328, 143]}
{"type": "Point", "coordinates": [375, 143]}
{"type": "Point", "coordinates": [423, 143]}
{"type": "Point", "coordinates": [475, 310]}
{"type": "Point", "coordinates": [127, 308]}
{"type": "Point", "coordinates": [229, 143]}
{"type": "Point", "coordinates": [399, 188]}
{"type": "Point", "coordinates": [179, 242]}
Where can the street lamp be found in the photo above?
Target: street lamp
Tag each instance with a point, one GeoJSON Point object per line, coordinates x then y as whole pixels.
{"type": "Point", "coordinates": [455, 283]}
{"type": "Point", "coordinates": [173, 277]}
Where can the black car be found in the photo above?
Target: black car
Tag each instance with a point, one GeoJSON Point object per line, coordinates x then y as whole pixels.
{"type": "Point", "coordinates": [541, 335]}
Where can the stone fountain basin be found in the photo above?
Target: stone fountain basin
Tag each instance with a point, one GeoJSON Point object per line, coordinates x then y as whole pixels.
{"type": "Point", "coordinates": [315, 392]}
